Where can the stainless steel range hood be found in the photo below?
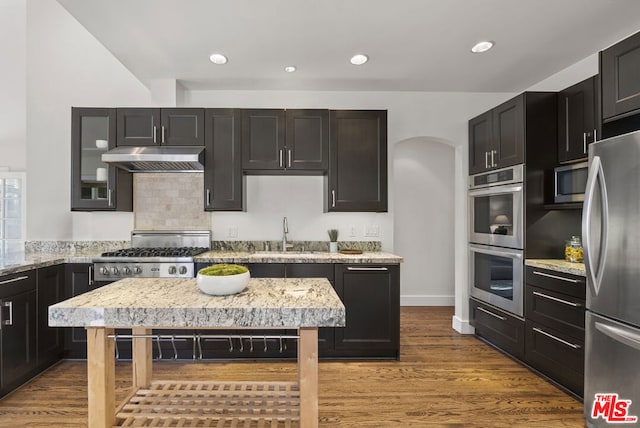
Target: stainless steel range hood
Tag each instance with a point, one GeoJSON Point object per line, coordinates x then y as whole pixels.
{"type": "Point", "coordinates": [156, 159]}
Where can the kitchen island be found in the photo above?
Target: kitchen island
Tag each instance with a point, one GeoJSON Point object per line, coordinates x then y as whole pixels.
{"type": "Point", "coordinates": [143, 304]}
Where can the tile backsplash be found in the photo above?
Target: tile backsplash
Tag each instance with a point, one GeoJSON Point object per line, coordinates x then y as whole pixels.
{"type": "Point", "coordinates": [169, 201]}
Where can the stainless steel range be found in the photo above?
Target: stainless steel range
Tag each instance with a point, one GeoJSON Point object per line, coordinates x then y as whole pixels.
{"type": "Point", "coordinates": [154, 254]}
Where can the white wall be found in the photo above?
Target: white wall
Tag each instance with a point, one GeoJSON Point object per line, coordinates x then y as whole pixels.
{"type": "Point", "coordinates": [67, 67]}
{"type": "Point", "coordinates": [13, 84]}
{"type": "Point", "coordinates": [423, 220]}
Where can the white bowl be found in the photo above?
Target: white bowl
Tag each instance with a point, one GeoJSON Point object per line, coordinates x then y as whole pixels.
{"type": "Point", "coordinates": [223, 285]}
{"type": "Point", "coordinates": [102, 144]}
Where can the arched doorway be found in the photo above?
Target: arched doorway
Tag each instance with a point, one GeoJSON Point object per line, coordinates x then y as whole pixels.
{"type": "Point", "coordinates": [424, 220]}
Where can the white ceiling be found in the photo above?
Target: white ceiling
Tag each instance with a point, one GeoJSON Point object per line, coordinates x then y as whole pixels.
{"type": "Point", "coordinates": [414, 45]}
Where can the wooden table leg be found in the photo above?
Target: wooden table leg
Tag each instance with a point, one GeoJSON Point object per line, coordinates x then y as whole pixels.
{"type": "Point", "coordinates": [101, 380]}
{"type": "Point", "coordinates": [142, 358]}
{"type": "Point", "coordinates": [308, 376]}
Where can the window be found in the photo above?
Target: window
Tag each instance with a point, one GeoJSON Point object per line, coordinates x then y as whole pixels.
{"type": "Point", "coordinates": [12, 213]}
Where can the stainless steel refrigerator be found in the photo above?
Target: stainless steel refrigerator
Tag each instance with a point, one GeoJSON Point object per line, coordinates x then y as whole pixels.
{"type": "Point", "coordinates": [611, 241]}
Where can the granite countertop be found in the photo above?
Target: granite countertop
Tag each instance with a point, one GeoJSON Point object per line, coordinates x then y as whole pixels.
{"type": "Point", "coordinates": [26, 261]}
{"type": "Point", "coordinates": [170, 302]}
{"type": "Point", "coordinates": [295, 257]}
{"type": "Point", "coordinates": [558, 266]}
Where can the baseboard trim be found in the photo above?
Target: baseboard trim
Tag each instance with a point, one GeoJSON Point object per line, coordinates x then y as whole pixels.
{"type": "Point", "coordinates": [462, 326]}
{"type": "Point", "coordinates": [426, 300]}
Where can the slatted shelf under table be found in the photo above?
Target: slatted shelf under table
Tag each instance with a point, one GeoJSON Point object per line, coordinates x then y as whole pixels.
{"type": "Point", "coordinates": [212, 404]}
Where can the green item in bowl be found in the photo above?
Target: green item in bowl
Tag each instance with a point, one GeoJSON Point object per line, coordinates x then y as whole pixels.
{"type": "Point", "coordinates": [223, 270]}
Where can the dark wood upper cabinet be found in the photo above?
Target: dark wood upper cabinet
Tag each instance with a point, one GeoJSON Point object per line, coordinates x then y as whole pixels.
{"type": "Point", "coordinates": [276, 141]}
{"type": "Point", "coordinates": [95, 185]}
{"type": "Point", "coordinates": [480, 132]}
{"type": "Point", "coordinates": [496, 137]}
{"type": "Point", "coordinates": [576, 120]}
{"type": "Point", "coordinates": [223, 179]}
{"type": "Point", "coordinates": [357, 178]}
{"type": "Point", "coordinates": [263, 139]}
{"type": "Point", "coordinates": [307, 139]}
{"type": "Point", "coordinates": [620, 78]}
{"type": "Point", "coordinates": [508, 133]}
{"type": "Point", "coordinates": [154, 126]}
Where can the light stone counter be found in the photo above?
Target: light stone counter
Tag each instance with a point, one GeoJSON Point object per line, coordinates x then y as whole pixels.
{"type": "Point", "coordinates": [295, 257]}
{"type": "Point", "coordinates": [153, 302]}
{"type": "Point", "coordinates": [558, 266]}
{"type": "Point", "coordinates": [25, 262]}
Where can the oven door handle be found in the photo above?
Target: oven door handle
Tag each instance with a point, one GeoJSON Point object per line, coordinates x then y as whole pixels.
{"type": "Point", "coordinates": [496, 190]}
{"type": "Point", "coordinates": [516, 254]}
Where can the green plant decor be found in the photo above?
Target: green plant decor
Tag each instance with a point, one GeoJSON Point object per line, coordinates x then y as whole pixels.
{"type": "Point", "coordinates": [333, 235]}
{"type": "Point", "coordinates": [223, 270]}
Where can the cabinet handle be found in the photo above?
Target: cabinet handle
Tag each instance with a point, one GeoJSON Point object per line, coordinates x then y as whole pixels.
{"type": "Point", "coordinates": [493, 152]}
{"type": "Point", "coordinates": [333, 198]}
{"type": "Point", "coordinates": [289, 156]}
{"type": "Point", "coordinates": [372, 269]}
{"type": "Point", "coordinates": [281, 161]}
{"type": "Point", "coordinates": [90, 273]}
{"type": "Point", "coordinates": [481, 309]}
{"type": "Point", "coordinates": [162, 134]}
{"type": "Point", "coordinates": [595, 134]}
{"type": "Point", "coordinates": [20, 278]}
{"type": "Point", "coordinates": [584, 142]}
{"type": "Point", "coordinates": [548, 275]}
{"type": "Point", "coordinates": [557, 339]}
{"type": "Point", "coordinates": [566, 123]}
{"type": "Point", "coordinates": [155, 134]}
{"type": "Point", "coordinates": [10, 306]}
{"type": "Point", "coordinates": [208, 197]}
{"type": "Point", "coordinates": [486, 159]}
{"type": "Point", "coordinates": [555, 299]}
{"type": "Point", "coordinates": [109, 201]}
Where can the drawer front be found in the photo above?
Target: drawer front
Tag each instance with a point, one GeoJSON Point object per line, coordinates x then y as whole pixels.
{"type": "Point", "coordinates": [560, 282]}
{"type": "Point", "coordinates": [559, 311]}
{"type": "Point", "coordinates": [16, 283]}
{"type": "Point", "coordinates": [557, 355]}
{"type": "Point", "coordinates": [498, 327]}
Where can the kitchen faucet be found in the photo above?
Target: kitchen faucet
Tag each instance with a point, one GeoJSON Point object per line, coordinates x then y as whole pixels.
{"type": "Point", "coordinates": [285, 230]}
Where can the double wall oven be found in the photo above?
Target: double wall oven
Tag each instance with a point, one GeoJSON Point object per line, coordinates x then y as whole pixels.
{"type": "Point", "coordinates": [496, 238]}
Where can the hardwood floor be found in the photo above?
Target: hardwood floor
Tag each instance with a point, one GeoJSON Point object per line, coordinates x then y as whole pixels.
{"type": "Point", "coordinates": [443, 380]}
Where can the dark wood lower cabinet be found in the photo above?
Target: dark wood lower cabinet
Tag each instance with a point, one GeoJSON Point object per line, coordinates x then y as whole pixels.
{"type": "Point", "coordinates": [371, 295]}
{"type": "Point", "coordinates": [51, 290]}
{"type": "Point", "coordinates": [556, 355]}
{"type": "Point", "coordinates": [18, 335]}
{"type": "Point", "coordinates": [498, 327]}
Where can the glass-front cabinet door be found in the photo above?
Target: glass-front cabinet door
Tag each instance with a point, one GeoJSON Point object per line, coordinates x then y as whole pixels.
{"type": "Point", "coordinates": [93, 183]}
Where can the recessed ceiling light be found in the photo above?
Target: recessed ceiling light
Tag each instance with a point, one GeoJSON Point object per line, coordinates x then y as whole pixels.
{"type": "Point", "coordinates": [290, 68]}
{"type": "Point", "coordinates": [359, 59]}
{"type": "Point", "coordinates": [217, 58]}
{"type": "Point", "coordinates": [482, 46]}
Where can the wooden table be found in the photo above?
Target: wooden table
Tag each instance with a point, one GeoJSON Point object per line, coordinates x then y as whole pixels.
{"type": "Point", "coordinates": [144, 304]}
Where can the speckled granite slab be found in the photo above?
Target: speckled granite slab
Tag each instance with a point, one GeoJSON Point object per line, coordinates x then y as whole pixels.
{"type": "Point", "coordinates": [296, 257]}
{"type": "Point", "coordinates": [153, 302]}
{"type": "Point", "coordinates": [27, 262]}
{"type": "Point", "coordinates": [558, 266]}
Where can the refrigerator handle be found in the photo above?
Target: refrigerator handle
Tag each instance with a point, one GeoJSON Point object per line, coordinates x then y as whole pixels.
{"type": "Point", "coordinates": [620, 335]}
{"type": "Point", "coordinates": [595, 176]}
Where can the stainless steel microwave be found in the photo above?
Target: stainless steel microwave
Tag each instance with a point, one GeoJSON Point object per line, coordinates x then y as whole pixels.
{"type": "Point", "coordinates": [570, 182]}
